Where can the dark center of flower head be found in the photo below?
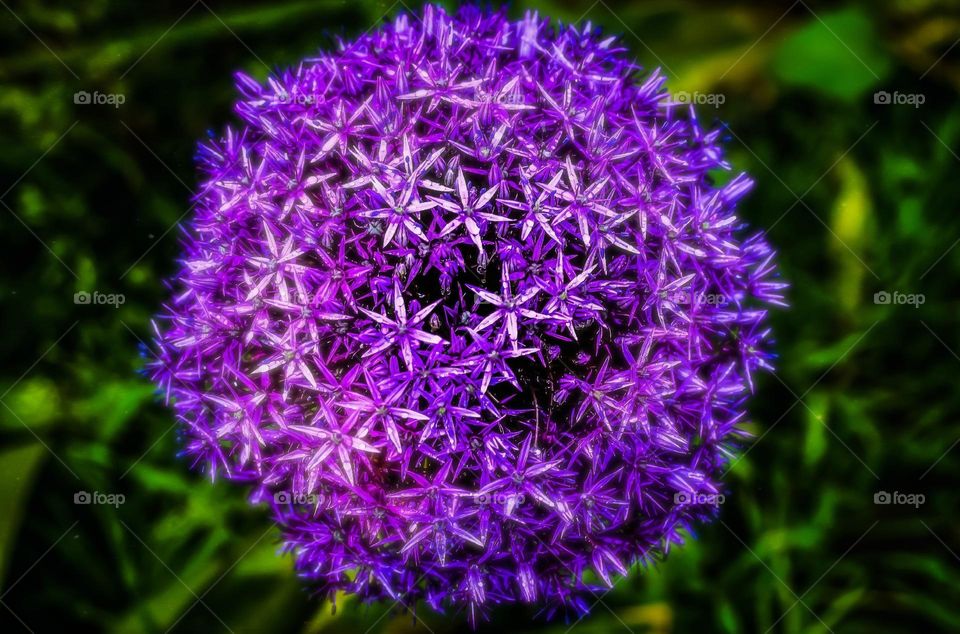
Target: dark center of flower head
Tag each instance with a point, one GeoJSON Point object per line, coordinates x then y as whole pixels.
{"type": "Point", "coordinates": [491, 375]}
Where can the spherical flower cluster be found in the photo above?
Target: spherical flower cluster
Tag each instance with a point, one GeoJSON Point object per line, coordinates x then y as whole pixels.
{"type": "Point", "coordinates": [463, 302]}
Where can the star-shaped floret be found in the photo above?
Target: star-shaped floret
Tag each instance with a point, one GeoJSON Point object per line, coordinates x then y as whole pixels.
{"type": "Point", "coordinates": [382, 409]}
{"type": "Point", "coordinates": [401, 331]}
{"type": "Point", "coordinates": [467, 211]}
{"type": "Point", "coordinates": [319, 441]}
{"type": "Point", "coordinates": [485, 358]}
{"type": "Point", "coordinates": [524, 476]}
{"type": "Point", "coordinates": [507, 306]}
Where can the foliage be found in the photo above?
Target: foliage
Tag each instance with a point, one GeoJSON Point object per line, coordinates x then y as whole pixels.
{"type": "Point", "coordinates": [92, 194]}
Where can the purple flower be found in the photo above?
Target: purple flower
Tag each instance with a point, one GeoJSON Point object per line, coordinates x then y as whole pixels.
{"type": "Point", "coordinates": [467, 287]}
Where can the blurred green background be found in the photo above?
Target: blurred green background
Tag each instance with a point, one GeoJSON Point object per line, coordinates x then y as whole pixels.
{"type": "Point", "coordinates": [857, 182]}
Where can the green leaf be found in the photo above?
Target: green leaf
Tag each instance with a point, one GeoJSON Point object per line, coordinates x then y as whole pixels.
{"type": "Point", "coordinates": [835, 54]}
{"type": "Point", "coordinates": [815, 440]}
{"type": "Point", "coordinates": [17, 470]}
{"type": "Point", "coordinates": [36, 403]}
{"type": "Point", "coordinates": [113, 404]}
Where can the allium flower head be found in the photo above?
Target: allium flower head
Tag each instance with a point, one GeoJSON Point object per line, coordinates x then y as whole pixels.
{"type": "Point", "coordinates": [462, 301]}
